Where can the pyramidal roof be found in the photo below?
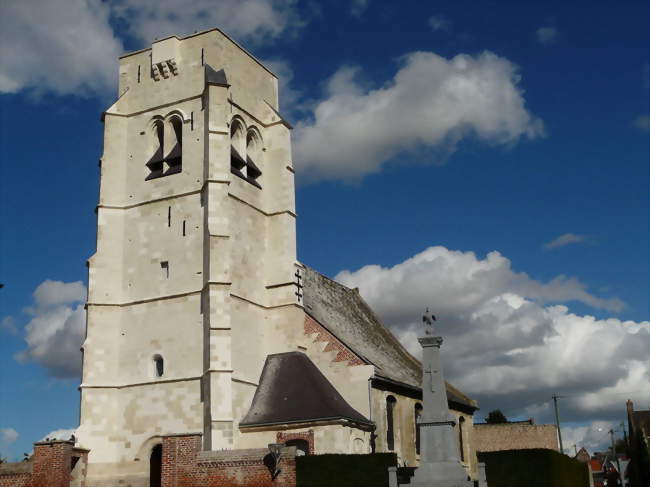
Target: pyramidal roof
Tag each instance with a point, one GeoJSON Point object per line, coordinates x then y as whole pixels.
{"type": "Point", "coordinates": [344, 313]}
{"type": "Point", "coordinates": [293, 390]}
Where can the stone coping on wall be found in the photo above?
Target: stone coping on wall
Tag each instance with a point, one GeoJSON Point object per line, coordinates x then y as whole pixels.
{"type": "Point", "coordinates": [249, 454]}
{"type": "Point", "coordinates": [16, 468]}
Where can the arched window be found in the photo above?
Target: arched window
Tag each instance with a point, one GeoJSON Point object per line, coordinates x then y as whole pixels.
{"type": "Point", "coordinates": [245, 152]}
{"type": "Point", "coordinates": [253, 155]}
{"type": "Point", "coordinates": [461, 420]}
{"type": "Point", "coordinates": [302, 447]}
{"type": "Point", "coordinates": [418, 412]}
{"type": "Point", "coordinates": [237, 148]}
{"type": "Point", "coordinates": [167, 148]}
{"type": "Point", "coordinates": [155, 164]}
{"type": "Point", "coordinates": [390, 422]}
{"type": "Point", "coordinates": [174, 146]}
{"type": "Point", "coordinates": [159, 366]}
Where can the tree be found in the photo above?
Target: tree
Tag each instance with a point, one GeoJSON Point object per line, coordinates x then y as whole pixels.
{"type": "Point", "coordinates": [496, 417]}
{"type": "Point", "coordinates": [621, 447]}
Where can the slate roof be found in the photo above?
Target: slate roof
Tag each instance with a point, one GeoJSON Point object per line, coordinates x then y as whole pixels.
{"type": "Point", "coordinates": [293, 390]}
{"type": "Point", "coordinates": [344, 313]}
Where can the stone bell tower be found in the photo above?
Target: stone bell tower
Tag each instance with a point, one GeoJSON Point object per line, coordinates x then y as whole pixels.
{"type": "Point", "coordinates": [193, 280]}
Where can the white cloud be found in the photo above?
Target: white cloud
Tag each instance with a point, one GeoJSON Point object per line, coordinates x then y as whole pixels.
{"type": "Point", "coordinates": [69, 46]}
{"type": "Point", "coordinates": [642, 122]}
{"type": "Point", "coordinates": [431, 103]}
{"type": "Point", "coordinates": [593, 436]}
{"type": "Point", "coordinates": [504, 345]}
{"type": "Point", "coordinates": [439, 22]}
{"type": "Point", "coordinates": [563, 240]}
{"type": "Point", "coordinates": [60, 434]}
{"type": "Point", "coordinates": [8, 436]}
{"type": "Point", "coordinates": [63, 46]}
{"type": "Point", "coordinates": [547, 35]}
{"type": "Point", "coordinates": [245, 20]}
{"type": "Point", "coordinates": [57, 328]}
{"type": "Point", "coordinates": [358, 7]}
{"type": "Point", "coordinates": [50, 293]}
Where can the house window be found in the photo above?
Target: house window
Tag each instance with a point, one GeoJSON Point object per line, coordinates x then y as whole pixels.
{"type": "Point", "coordinates": [390, 422]}
{"type": "Point", "coordinates": [167, 148]}
{"type": "Point", "coordinates": [159, 365]}
{"type": "Point", "coordinates": [418, 413]}
{"type": "Point", "coordinates": [245, 153]}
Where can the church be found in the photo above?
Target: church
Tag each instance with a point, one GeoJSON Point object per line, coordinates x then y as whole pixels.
{"type": "Point", "coordinates": [200, 318]}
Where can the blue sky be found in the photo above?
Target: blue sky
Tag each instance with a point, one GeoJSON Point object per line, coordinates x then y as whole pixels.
{"type": "Point", "coordinates": [514, 202]}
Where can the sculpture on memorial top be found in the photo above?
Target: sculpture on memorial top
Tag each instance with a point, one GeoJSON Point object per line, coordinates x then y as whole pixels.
{"type": "Point", "coordinates": [428, 318]}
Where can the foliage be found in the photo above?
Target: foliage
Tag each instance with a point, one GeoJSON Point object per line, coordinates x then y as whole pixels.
{"type": "Point", "coordinates": [496, 417]}
{"type": "Point", "coordinates": [621, 446]}
{"type": "Point", "coordinates": [344, 470]}
{"type": "Point", "coordinates": [533, 468]}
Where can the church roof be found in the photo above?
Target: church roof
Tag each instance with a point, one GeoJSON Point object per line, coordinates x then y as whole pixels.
{"type": "Point", "coordinates": [293, 390]}
{"type": "Point", "coordinates": [344, 313]}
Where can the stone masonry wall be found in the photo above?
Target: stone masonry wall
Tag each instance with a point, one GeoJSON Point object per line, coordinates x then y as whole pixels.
{"type": "Point", "coordinates": [51, 465]}
{"type": "Point", "coordinates": [498, 437]}
{"type": "Point", "coordinates": [185, 465]}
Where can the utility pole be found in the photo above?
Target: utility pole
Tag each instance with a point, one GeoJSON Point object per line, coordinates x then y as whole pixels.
{"type": "Point", "coordinates": [557, 421]}
{"type": "Point", "coordinates": [618, 463]}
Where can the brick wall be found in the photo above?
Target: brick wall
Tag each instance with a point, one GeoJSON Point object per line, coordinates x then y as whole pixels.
{"type": "Point", "coordinates": [50, 466]}
{"type": "Point", "coordinates": [185, 465]}
{"type": "Point", "coordinates": [16, 474]}
{"type": "Point", "coordinates": [344, 354]}
{"type": "Point", "coordinates": [517, 436]}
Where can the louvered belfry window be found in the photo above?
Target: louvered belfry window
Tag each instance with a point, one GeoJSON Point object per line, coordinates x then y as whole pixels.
{"type": "Point", "coordinates": [245, 150]}
{"type": "Point", "coordinates": [167, 148]}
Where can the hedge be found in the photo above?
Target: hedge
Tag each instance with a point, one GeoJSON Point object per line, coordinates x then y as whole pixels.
{"type": "Point", "coordinates": [533, 468]}
{"type": "Point", "coordinates": [344, 470]}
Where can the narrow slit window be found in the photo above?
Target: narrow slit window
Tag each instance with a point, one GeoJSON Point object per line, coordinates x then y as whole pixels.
{"type": "Point", "coordinates": [139, 73]}
{"type": "Point", "coordinates": [169, 216]}
{"type": "Point", "coordinates": [183, 228]}
{"type": "Point", "coordinates": [164, 265]}
{"type": "Point", "coordinates": [159, 365]}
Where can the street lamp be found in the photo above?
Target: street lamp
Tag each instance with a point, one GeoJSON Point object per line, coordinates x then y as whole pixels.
{"type": "Point", "coordinates": [276, 453]}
